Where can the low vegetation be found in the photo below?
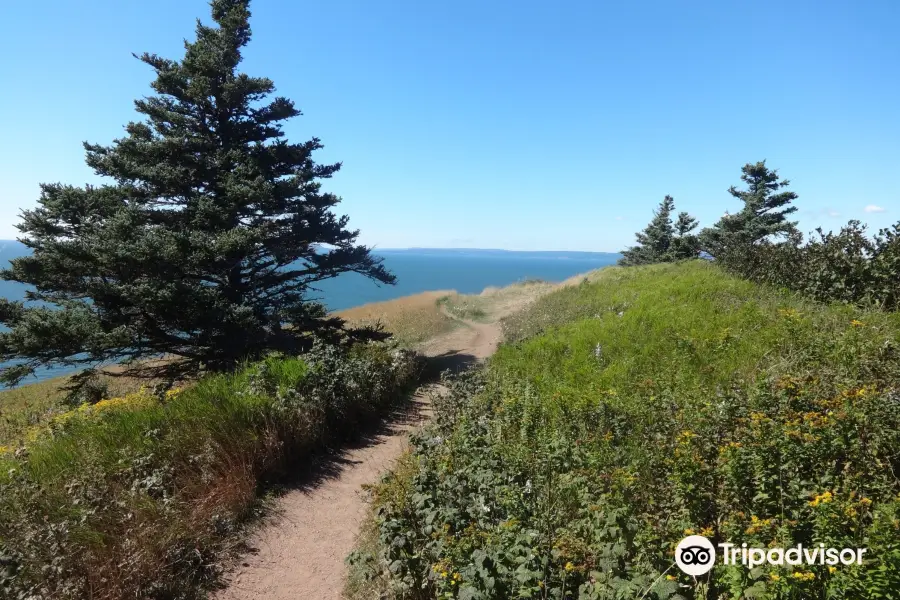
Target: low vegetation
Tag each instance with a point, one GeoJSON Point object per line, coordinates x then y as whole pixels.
{"type": "Point", "coordinates": [850, 266]}
{"type": "Point", "coordinates": [656, 402]}
{"type": "Point", "coordinates": [136, 496]}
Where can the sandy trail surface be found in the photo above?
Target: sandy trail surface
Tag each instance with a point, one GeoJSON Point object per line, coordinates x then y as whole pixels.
{"type": "Point", "coordinates": [300, 553]}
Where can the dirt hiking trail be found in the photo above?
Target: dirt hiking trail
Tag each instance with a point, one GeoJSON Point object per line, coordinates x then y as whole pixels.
{"type": "Point", "coordinates": [300, 553]}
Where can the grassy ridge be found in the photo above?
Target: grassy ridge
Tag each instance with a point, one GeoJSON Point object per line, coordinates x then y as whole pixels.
{"type": "Point", "coordinates": [137, 496]}
{"type": "Point", "coordinates": [631, 411]}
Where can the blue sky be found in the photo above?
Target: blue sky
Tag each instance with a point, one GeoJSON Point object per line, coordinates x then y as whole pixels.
{"type": "Point", "coordinates": [502, 124]}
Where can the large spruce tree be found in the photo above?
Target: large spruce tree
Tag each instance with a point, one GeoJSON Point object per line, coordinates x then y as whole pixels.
{"type": "Point", "coordinates": [204, 245]}
{"type": "Point", "coordinates": [763, 216]}
{"type": "Point", "coordinates": [662, 240]}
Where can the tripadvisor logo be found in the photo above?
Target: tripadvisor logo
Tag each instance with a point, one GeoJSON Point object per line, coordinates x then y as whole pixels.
{"type": "Point", "coordinates": [696, 555]}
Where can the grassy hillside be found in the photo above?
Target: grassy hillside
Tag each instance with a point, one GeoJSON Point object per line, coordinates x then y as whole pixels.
{"type": "Point", "coordinates": [138, 496]}
{"type": "Point", "coordinates": [645, 405]}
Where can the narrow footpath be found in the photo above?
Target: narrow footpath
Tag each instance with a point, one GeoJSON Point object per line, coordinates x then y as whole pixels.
{"type": "Point", "coordinates": [300, 554]}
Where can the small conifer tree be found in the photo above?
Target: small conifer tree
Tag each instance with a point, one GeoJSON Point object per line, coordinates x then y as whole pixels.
{"type": "Point", "coordinates": [662, 240]}
{"type": "Point", "coordinates": [763, 216]}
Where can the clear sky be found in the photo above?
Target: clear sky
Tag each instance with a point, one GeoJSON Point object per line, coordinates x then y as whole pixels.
{"type": "Point", "coordinates": [503, 124]}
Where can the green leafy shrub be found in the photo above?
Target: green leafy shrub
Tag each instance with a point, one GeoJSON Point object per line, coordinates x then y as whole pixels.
{"type": "Point", "coordinates": [848, 266]}
{"type": "Point", "coordinates": [658, 402]}
{"type": "Point", "coordinates": [136, 496]}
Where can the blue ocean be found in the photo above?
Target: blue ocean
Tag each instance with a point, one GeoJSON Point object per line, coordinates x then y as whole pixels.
{"type": "Point", "coordinates": [467, 271]}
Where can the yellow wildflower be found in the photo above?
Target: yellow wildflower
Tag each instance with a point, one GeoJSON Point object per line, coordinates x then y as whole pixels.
{"type": "Point", "coordinates": [173, 393]}
{"type": "Point", "coordinates": [707, 532]}
{"type": "Point", "coordinates": [787, 383]}
{"type": "Point", "coordinates": [689, 531]}
{"type": "Point", "coordinates": [857, 323]}
{"type": "Point", "coordinates": [832, 569]}
{"type": "Point", "coordinates": [730, 446]}
{"type": "Point", "coordinates": [756, 524]}
{"type": "Point", "coordinates": [569, 567]}
{"type": "Point", "coordinates": [808, 576]}
{"type": "Point", "coordinates": [823, 498]}
{"type": "Point", "coordinates": [134, 400]}
{"type": "Point", "coordinates": [105, 404]}
{"type": "Point", "coordinates": [671, 577]}
{"type": "Point", "coordinates": [756, 417]}
{"type": "Point", "coordinates": [774, 576]}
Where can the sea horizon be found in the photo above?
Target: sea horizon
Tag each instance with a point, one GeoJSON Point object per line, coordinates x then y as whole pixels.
{"type": "Point", "coordinates": [464, 270]}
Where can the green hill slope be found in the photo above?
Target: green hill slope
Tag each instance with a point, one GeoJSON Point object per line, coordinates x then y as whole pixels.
{"type": "Point", "coordinates": [649, 404]}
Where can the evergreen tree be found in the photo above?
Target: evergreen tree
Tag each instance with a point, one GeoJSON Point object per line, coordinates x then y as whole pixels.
{"type": "Point", "coordinates": [763, 216]}
{"type": "Point", "coordinates": [685, 244]}
{"type": "Point", "coordinates": [205, 244]}
{"type": "Point", "coordinates": [661, 240]}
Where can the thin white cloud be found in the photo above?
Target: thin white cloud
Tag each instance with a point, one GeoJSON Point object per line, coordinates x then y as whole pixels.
{"type": "Point", "coordinates": [822, 212]}
{"type": "Point", "coordinates": [874, 209]}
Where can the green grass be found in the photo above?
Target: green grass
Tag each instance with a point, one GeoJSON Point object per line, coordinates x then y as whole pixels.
{"type": "Point", "coordinates": [687, 326]}
{"type": "Point", "coordinates": [140, 496]}
{"type": "Point", "coordinates": [26, 406]}
{"type": "Point", "coordinates": [31, 405]}
{"type": "Point", "coordinates": [645, 404]}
